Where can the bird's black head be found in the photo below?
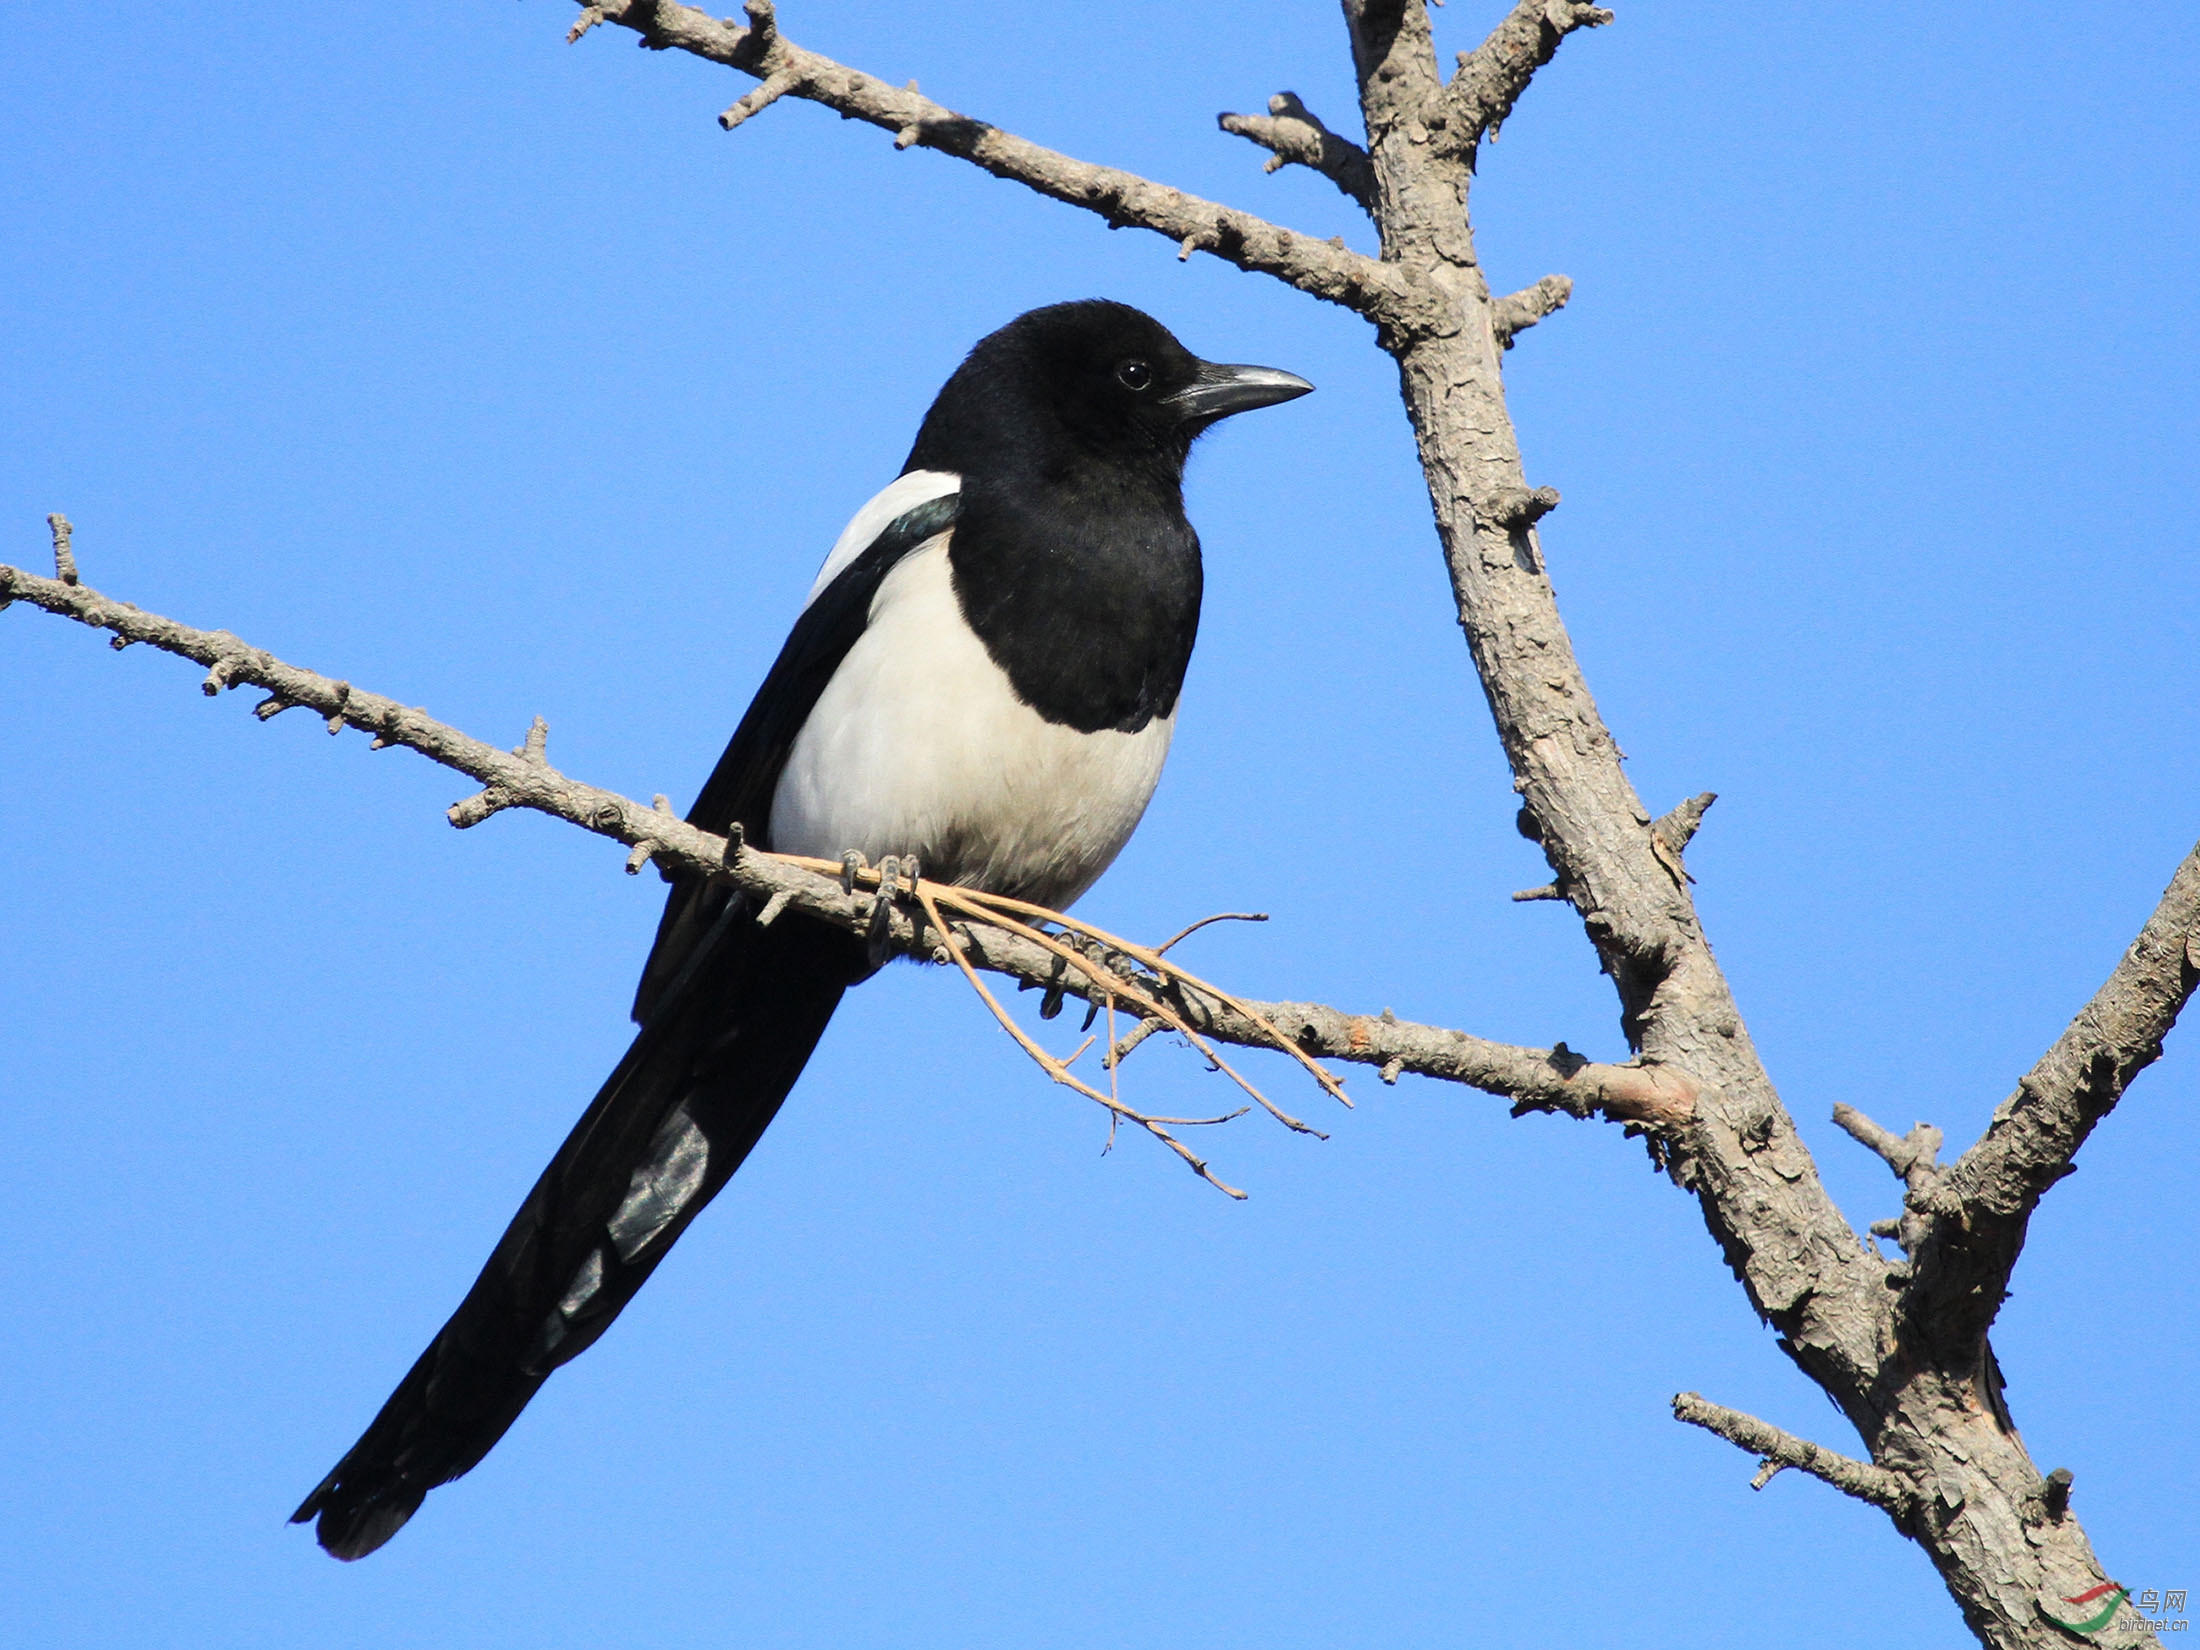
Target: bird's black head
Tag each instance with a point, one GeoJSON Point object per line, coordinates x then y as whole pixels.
{"type": "Point", "coordinates": [1077, 383]}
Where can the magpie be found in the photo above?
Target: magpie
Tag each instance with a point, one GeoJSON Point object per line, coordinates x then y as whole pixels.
{"type": "Point", "coordinates": [985, 675]}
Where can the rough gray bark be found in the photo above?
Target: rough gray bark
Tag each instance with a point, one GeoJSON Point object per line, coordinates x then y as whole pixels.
{"type": "Point", "coordinates": [1901, 1347]}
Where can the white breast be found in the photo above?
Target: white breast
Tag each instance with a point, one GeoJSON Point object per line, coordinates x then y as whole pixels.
{"type": "Point", "coordinates": [919, 746]}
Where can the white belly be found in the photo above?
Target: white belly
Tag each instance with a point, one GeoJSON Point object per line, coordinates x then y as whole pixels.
{"type": "Point", "coordinates": [918, 745]}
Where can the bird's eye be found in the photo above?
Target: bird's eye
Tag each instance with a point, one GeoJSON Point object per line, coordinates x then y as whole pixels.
{"type": "Point", "coordinates": [1134, 375]}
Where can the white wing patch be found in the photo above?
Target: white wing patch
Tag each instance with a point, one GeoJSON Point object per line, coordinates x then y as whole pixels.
{"type": "Point", "coordinates": [902, 494]}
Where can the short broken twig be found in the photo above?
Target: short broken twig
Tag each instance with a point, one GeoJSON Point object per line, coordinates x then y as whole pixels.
{"type": "Point", "coordinates": [64, 556]}
{"type": "Point", "coordinates": [1911, 1156]}
{"type": "Point", "coordinates": [1516, 312]}
{"type": "Point", "coordinates": [757, 99]}
{"type": "Point", "coordinates": [1678, 828]}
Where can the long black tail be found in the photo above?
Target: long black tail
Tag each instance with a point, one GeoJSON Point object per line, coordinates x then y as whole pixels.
{"type": "Point", "coordinates": [700, 1084]}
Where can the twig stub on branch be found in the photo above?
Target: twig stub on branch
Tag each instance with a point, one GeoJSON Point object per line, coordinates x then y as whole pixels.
{"type": "Point", "coordinates": [1294, 135]}
{"type": "Point", "coordinates": [1516, 312]}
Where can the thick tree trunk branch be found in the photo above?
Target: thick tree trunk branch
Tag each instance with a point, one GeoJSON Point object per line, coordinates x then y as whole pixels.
{"type": "Point", "coordinates": [1295, 136]}
{"type": "Point", "coordinates": [1324, 269]}
{"type": "Point", "coordinates": [1935, 1422]}
{"type": "Point", "coordinates": [1804, 1267]}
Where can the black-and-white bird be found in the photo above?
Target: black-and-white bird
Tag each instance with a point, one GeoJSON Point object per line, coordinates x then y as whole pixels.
{"type": "Point", "coordinates": [985, 676]}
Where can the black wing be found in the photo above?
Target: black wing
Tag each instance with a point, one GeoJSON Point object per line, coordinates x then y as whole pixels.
{"type": "Point", "coordinates": [730, 1013]}
{"type": "Point", "coordinates": [739, 790]}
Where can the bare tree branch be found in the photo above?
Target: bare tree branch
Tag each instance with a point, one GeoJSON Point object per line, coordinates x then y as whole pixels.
{"type": "Point", "coordinates": [64, 559]}
{"type": "Point", "coordinates": [1295, 136]}
{"type": "Point", "coordinates": [1534, 1079]}
{"type": "Point", "coordinates": [1977, 1209]}
{"type": "Point", "coordinates": [1779, 1449]}
{"type": "Point", "coordinates": [1324, 269]}
{"type": "Point", "coordinates": [1491, 78]}
{"type": "Point", "coordinates": [1929, 1411]}
{"type": "Point", "coordinates": [1915, 1160]}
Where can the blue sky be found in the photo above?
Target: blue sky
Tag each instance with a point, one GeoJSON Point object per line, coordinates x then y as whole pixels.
{"type": "Point", "coordinates": [491, 374]}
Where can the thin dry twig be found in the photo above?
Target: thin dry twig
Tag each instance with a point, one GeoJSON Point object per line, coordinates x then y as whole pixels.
{"type": "Point", "coordinates": [1162, 949]}
{"type": "Point", "coordinates": [926, 896]}
{"type": "Point", "coordinates": [1115, 1076]}
{"type": "Point", "coordinates": [998, 904]}
{"type": "Point", "coordinates": [1002, 912]}
{"type": "Point", "coordinates": [1151, 1003]}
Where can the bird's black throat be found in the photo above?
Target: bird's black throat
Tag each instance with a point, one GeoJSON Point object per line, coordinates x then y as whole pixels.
{"type": "Point", "coordinates": [1084, 588]}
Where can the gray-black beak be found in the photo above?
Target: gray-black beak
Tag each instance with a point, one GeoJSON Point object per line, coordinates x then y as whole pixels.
{"type": "Point", "coordinates": [1221, 390]}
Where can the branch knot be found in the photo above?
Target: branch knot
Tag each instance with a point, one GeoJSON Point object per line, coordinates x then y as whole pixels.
{"type": "Point", "coordinates": [1511, 508]}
